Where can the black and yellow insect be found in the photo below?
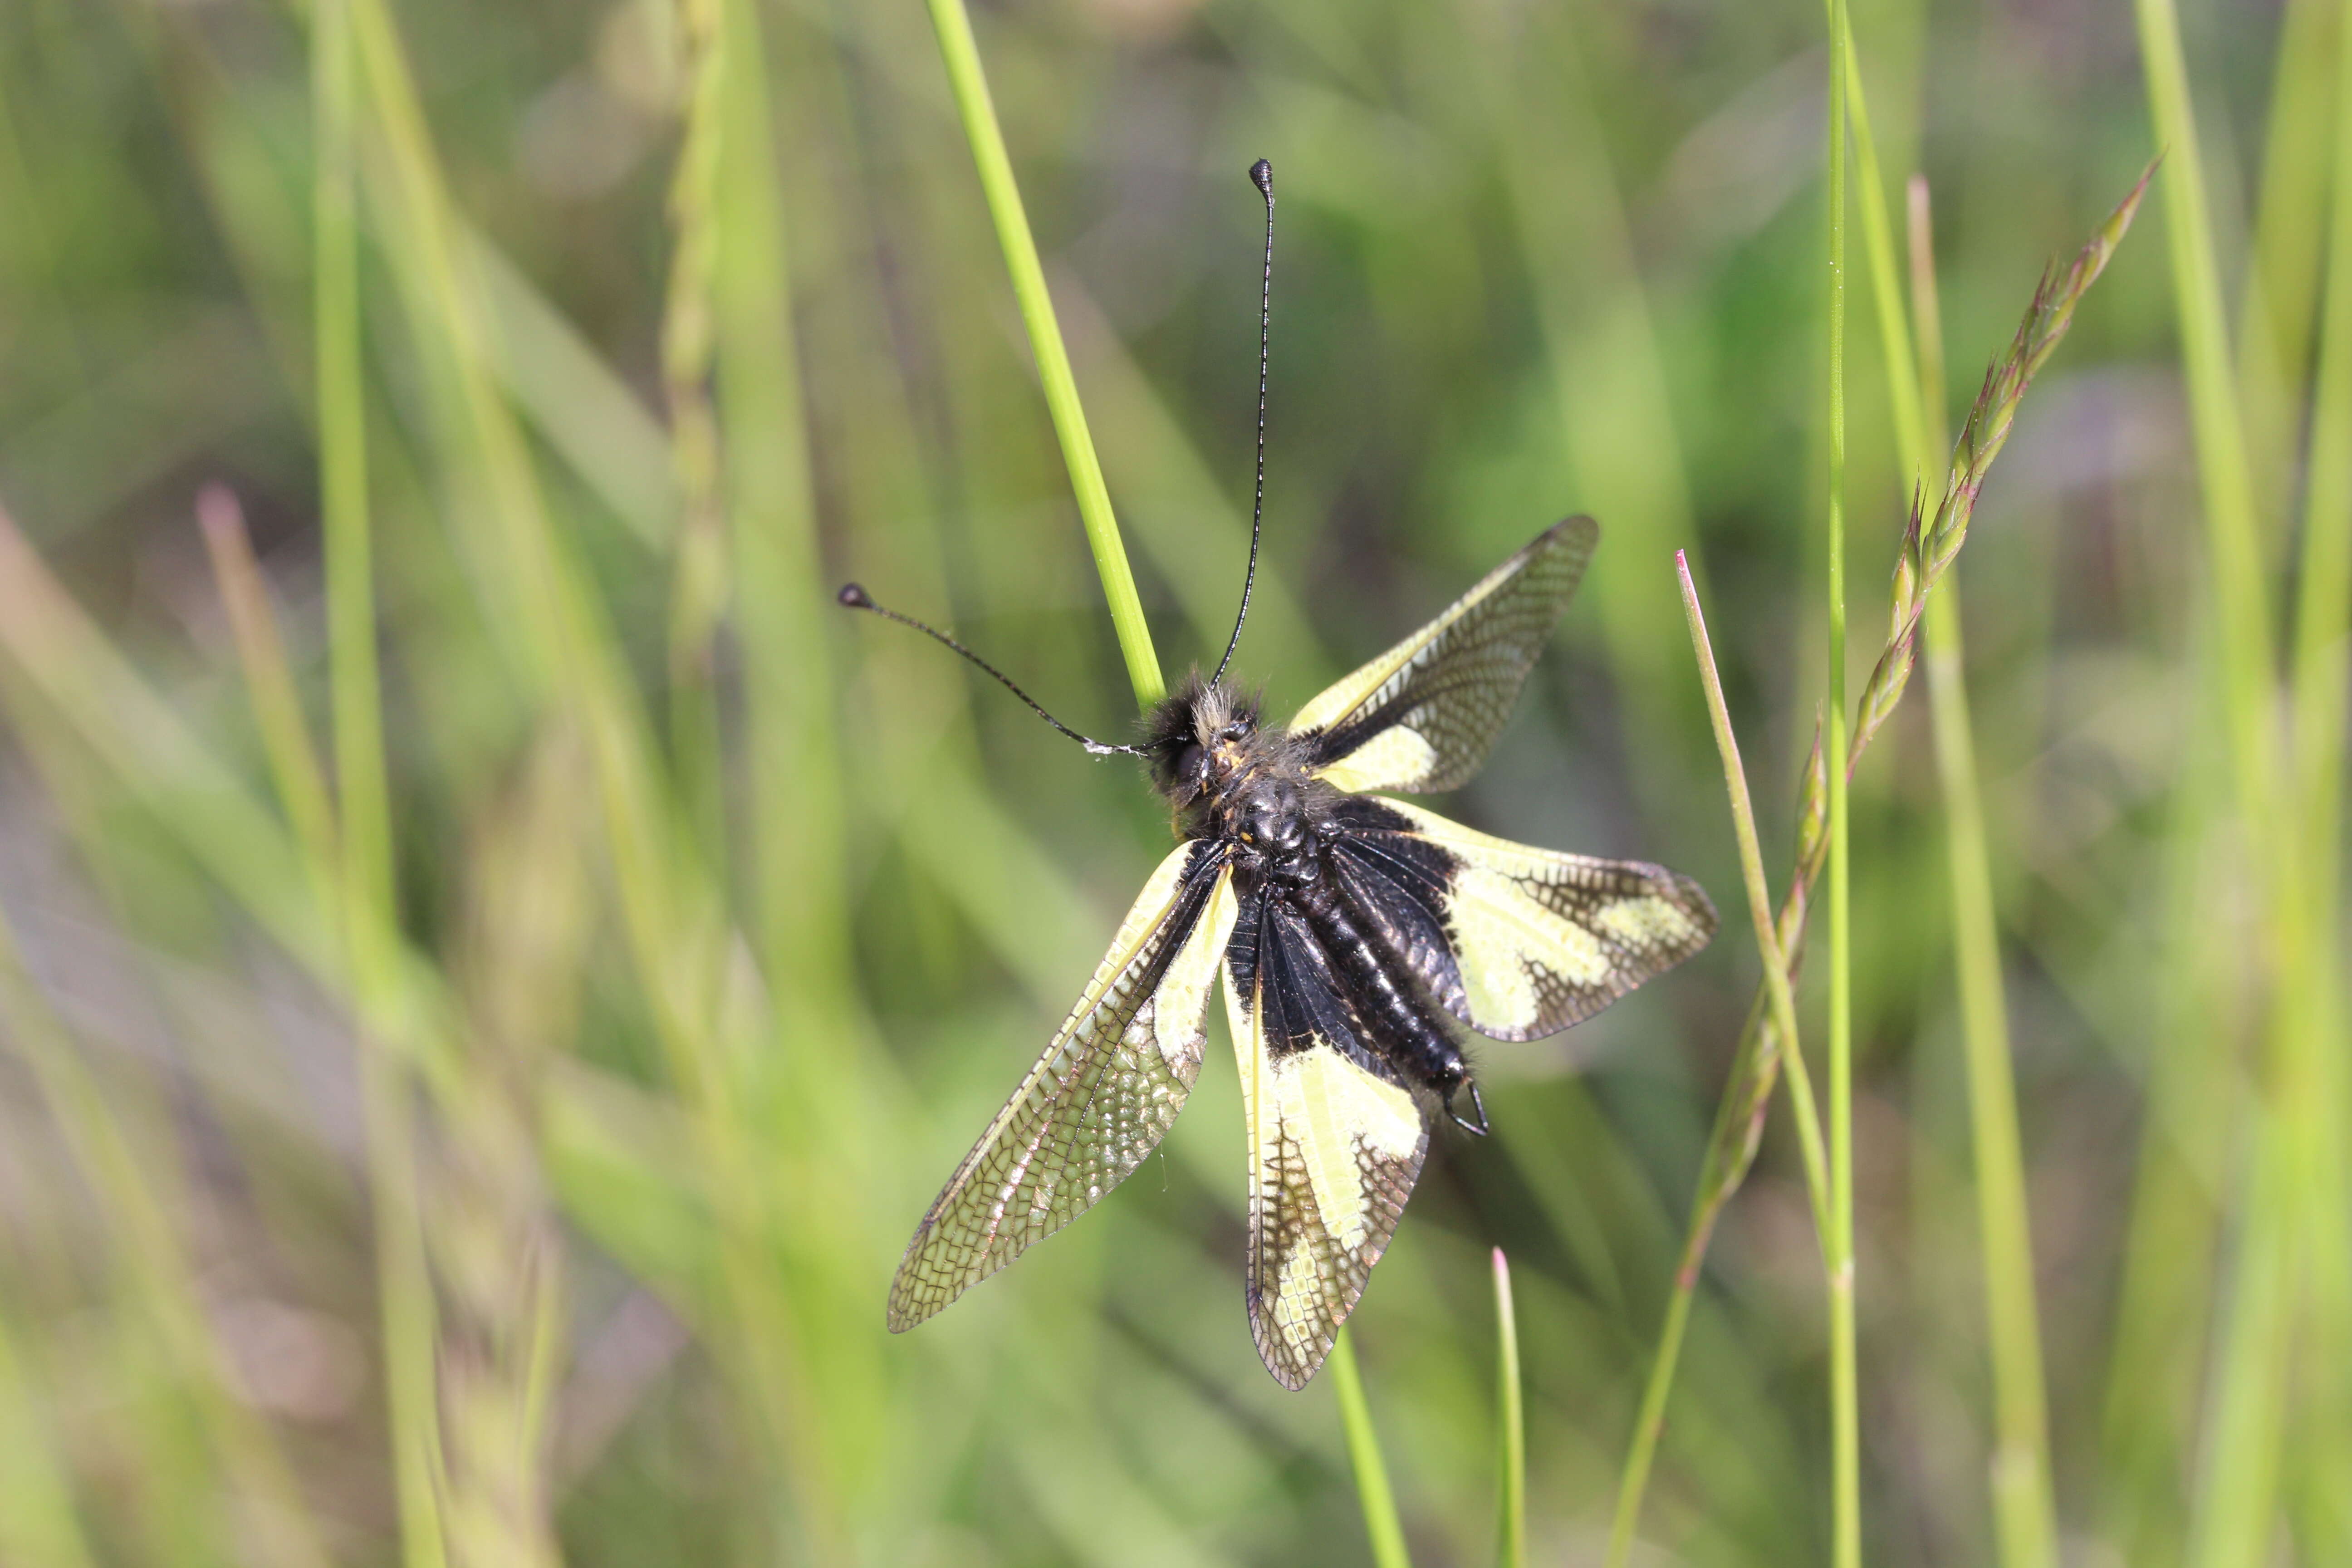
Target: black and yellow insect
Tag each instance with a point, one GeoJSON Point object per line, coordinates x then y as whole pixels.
{"type": "Point", "coordinates": [1356, 939]}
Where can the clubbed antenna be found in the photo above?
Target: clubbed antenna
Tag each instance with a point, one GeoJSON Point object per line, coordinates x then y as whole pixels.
{"type": "Point", "coordinates": [856, 598]}
{"type": "Point", "coordinates": [1261, 175]}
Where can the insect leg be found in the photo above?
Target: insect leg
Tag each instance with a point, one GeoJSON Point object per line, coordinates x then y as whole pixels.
{"type": "Point", "coordinates": [1477, 1104]}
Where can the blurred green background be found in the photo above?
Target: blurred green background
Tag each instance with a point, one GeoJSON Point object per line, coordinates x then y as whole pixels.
{"type": "Point", "coordinates": [520, 1178]}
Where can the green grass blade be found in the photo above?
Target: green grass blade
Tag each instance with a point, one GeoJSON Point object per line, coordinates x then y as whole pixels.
{"type": "Point", "coordinates": [2279, 297]}
{"type": "Point", "coordinates": [358, 738]}
{"type": "Point", "coordinates": [698, 590]}
{"type": "Point", "coordinates": [961, 54]}
{"type": "Point", "coordinates": [2025, 1525]}
{"type": "Point", "coordinates": [2177, 1238]}
{"type": "Point", "coordinates": [2236, 1490]}
{"type": "Point", "coordinates": [1381, 1522]}
{"type": "Point", "coordinates": [403, 1287]}
{"type": "Point", "coordinates": [1911, 447]}
{"type": "Point", "coordinates": [2025, 1517]}
{"type": "Point", "coordinates": [2234, 1516]}
{"type": "Point", "coordinates": [2323, 644]}
{"type": "Point", "coordinates": [1510, 1427]}
{"type": "Point", "coordinates": [2022, 1510]}
{"type": "Point", "coordinates": [1845, 1430]}
{"type": "Point", "coordinates": [2241, 600]}
{"type": "Point", "coordinates": [781, 607]}
{"type": "Point", "coordinates": [2325, 607]}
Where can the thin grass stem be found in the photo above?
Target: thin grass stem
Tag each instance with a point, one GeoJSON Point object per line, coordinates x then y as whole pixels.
{"type": "Point", "coordinates": [978, 110]}
{"type": "Point", "coordinates": [698, 587]}
{"type": "Point", "coordinates": [1927, 318]}
{"type": "Point", "coordinates": [2178, 1235]}
{"type": "Point", "coordinates": [2323, 644]}
{"type": "Point", "coordinates": [2325, 606]}
{"type": "Point", "coordinates": [1903, 384]}
{"type": "Point", "coordinates": [1845, 1433]}
{"type": "Point", "coordinates": [961, 53]}
{"type": "Point", "coordinates": [1760, 910]}
{"type": "Point", "coordinates": [2024, 1518]}
{"type": "Point", "coordinates": [1372, 1491]}
{"type": "Point", "coordinates": [1510, 1427]}
{"type": "Point", "coordinates": [2240, 600]}
{"type": "Point", "coordinates": [294, 767]}
{"type": "Point", "coordinates": [2232, 1516]}
{"type": "Point", "coordinates": [1650, 1422]}
{"type": "Point", "coordinates": [2025, 1524]}
{"type": "Point", "coordinates": [2280, 287]}
{"type": "Point", "coordinates": [364, 843]}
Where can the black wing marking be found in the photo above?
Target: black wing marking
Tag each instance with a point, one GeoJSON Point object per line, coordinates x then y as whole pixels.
{"type": "Point", "coordinates": [1097, 1101]}
{"type": "Point", "coordinates": [1335, 1143]}
{"type": "Point", "coordinates": [1421, 716]}
{"type": "Point", "coordinates": [1531, 941]}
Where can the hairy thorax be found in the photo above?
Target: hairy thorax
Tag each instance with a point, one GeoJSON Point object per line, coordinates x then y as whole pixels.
{"type": "Point", "coordinates": [1231, 777]}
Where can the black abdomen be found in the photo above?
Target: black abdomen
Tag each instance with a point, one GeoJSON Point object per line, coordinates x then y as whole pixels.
{"type": "Point", "coordinates": [1394, 1021]}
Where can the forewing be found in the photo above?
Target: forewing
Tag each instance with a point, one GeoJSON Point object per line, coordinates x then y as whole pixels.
{"type": "Point", "coordinates": [1335, 1142]}
{"type": "Point", "coordinates": [1097, 1101]}
{"type": "Point", "coordinates": [1532, 940]}
{"type": "Point", "coordinates": [1421, 716]}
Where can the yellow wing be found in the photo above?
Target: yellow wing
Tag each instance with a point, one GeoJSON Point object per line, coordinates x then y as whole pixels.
{"type": "Point", "coordinates": [1516, 942]}
{"type": "Point", "coordinates": [1335, 1143]}
{"type": "Point", "coordinates": [1097, 1101]}
{"type": "Point", "coordinates": [1420, 717]}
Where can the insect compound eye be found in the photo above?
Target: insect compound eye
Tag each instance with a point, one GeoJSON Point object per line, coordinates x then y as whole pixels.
{"type": "Point", "coordinates": [1192, 762]}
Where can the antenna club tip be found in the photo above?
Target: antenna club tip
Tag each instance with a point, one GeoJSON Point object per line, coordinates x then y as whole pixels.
{"type": "Point", "coordinates": [853, 597]}
{"type": "Point", "coordinates": [1261, 175]}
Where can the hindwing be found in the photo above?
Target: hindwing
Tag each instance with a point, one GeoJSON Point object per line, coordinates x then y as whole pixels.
{"type": "Point", "coordinates": [1516, 942]}
{"type": "Point", "coordinates": [1097, 1101]}
{"type": "Point", "coordinates": [1335, 1140]}
{"type": "Point", "coordinates": [1421, 716]}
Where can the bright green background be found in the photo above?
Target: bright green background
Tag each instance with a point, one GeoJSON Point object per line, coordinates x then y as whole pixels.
{"type": "Point", "coordinates": [686, 1037]}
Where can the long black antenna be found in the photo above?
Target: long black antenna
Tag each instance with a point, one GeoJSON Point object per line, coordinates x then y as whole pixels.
{"type": "Point", "coordinates": [858, 598]}
{"type": "Point", "coordinates": [1261, 175]}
